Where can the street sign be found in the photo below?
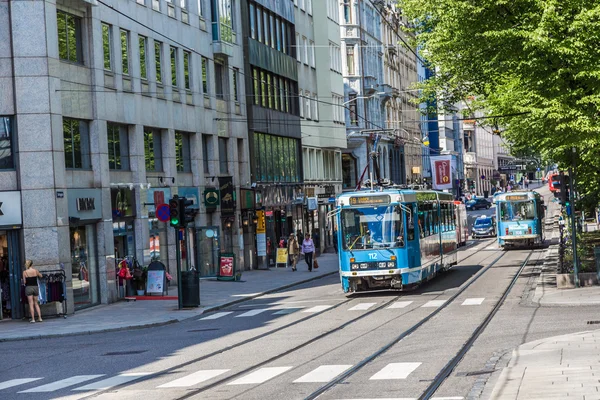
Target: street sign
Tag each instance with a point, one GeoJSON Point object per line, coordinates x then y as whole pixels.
{"type": "Point", "coordinates": [163, 212]}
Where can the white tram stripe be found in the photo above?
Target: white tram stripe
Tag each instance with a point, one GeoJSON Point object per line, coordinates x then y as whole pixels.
{"type": "Point", "coordinates": [473, 302]}
{"type": "Point", "coordinates": [400, 304]}
{"type": "Point", "coordinates": [434, 303]}
{"type": "Point", "coordinates": [317, 309]}
{"type": "Point", "coordinates": [323, 374]}
{"type": "Point", "coordinates": [216, 316]}
{"type": "Point", "coordinates": [51, 387]}
{"type": "Point", "coordinates": [17, 382]}
{"type": "Point", "coordinates": [252, 313]}
{"type": "Point", "coordinates": [114, 381]}
{"type": "Point", "coordinates": [362, 307]}
{"type": "Point", "coordinates": [195, 378]}
{"type": "Point", "coordinates": [260, 375]}
{"type": "Point", "coordinates": [396, 371]}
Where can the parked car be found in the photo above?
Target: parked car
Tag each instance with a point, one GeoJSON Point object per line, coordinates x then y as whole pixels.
{"type": "Point", "coordinates": [478, 204]}
{"type": "Point", "coordinates": [483, 226]}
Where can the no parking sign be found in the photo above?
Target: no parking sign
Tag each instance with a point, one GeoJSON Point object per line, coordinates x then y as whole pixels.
{"type": "Point", "coordinates": [163, 212]}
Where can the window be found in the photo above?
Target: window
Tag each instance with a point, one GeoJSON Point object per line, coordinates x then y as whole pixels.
{"type": "Point", "coordinates": [284, 33]}
{"type": "Point", "coordinates": [278, 33]}
{"type": "Point", "coordinates": [6, 143]}
{"type": "Point", "coordinates": [125, 51]}
{"type": "Point", "coordinates": [219, 81]}
{"type": "Point", "coordinates": [205, 75]}
{"type": "Point", "coordinates": [174, 66]}
{"type": "Point", "coordinates": [353, 109]}
{"type": "Point", "coordinates": [206, 148]}
{"type": "Point", "coordinates": [266, 27]}
{"type": "Point", "coordinates": [223, 160]}
{"type": "Point", "coordinates": [272, 30]}
{"type": "Point", "coordinates": [236, 94]}
{"type": "Point", "coordinates": [335, 58]}
{"type": "Point", "coordinates": [263, 89]}
{"type": "Point", "coordinates": [298, 53]}
{"type": "Point", "coordinates": [255, 80]}
{"type": "Point", "coordinates": [223, 23]}
{"type": "Point", "coordinates": [316, 107]}
{"type": "Point", "coordinates": [307, 102]}
{"type": "Point", "coordinates": [312, 54]}
{"type": "Point", "coordinates": [252, 21]}
{"type": "Point", "coordinates": [350, 60]}
{"type": "Point", "coordinates": [143, 44]}
{"type": "Point", "coordinates": [158, 61]}
{"type": "Point", "coordinates": [305, 46]}
{"type": "Point", "coordinates": [301, 104]}
{"type": "Point", "coordinates": [259, 31]}
{"type": "Point", "coordinates": [309, 6]}
{"type": "Point", "coordinates": [182, 152]}
{"type": "Point", "coordinates": [107, 46]}
{"type": "Point", "coordinates": [276, 159]}
{"type": "Point", "coordinates": [348, 11]}
{"type": "Point", "coordinates": [77, 144]}
{"type": "Point", "coordinates": [269, 90]}
{"type": "Point", "coordinates": [333, 10]}
{"type": "Point", "coordinates": [186, 69]}
{"type": "Point", "coordinates": [200, 8]}
{"type": "Point", "coordinates": [69, 37]}
{"type": "Point", "coordinates": [153, 150]}
{"type": "Point", "coordinates": [118, 146]}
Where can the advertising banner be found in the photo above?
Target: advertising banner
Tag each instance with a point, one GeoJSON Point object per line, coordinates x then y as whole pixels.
{"type": "Point", "coordinates": [155, 281]}
{"type": "Point", "coordinates": [227, 196]}
{"type": "Point", "coordinates": [441, 167]}
{"type": "Point", "coordinates": [226, 265]}
{"type": "Point", "coordinates": [261, 244]}
{"type": "Point", "coordinates": [282, 256]}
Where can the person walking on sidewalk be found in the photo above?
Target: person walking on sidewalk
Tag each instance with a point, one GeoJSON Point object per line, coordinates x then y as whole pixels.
{"type": "Point", "coordinates": [308, 248]}
{"type": "Point", "coordinates": [293, 250]}
{"type": "Point", "coordinates": [32, 291]}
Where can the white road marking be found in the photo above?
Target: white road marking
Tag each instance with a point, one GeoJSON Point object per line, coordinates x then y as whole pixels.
{"type": "Point", "coordinates": [17, 382]}
{"type": "Point", "coordinates": [114, 381]}
{"type": "Point", "coordinates": [434, 303]}
{"type": "Point", "coordinates": [260, 376]}
{"type": "Point", "coordinates": [316, 309]}
{"type": "Point", "coordinates": [410, 398]}
{"type": "Point", "coordinates": [51, 387]}
{"type": "Point", "coordinates": [492, 247]}
{"type": "Point", "coordinates": [473, 302]}
{"type": "Point", "coordinates": [252, 313]}
{"type": "Point", "coordinates": [287, 311]}
{"type": "Point", "coordinates": [324, 373]}
{"type": "Point", "coordinates": [396, 371]}
{"type": "Point", "coordinates": [195, 378]}
{"type": "Point", "coordinates": [362, 307]}
{"type": "Point", "coordinates": [217, 315]}
{"type": "Point", "coordinates": [400, 304]}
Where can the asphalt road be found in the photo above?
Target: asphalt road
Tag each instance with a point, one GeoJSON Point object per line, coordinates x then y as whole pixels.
{"type": "Point", "coordinates": [288, 345]}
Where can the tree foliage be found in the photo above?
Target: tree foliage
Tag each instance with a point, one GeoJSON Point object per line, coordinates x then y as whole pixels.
{"type": "Point", "coordinates": [538, 57]}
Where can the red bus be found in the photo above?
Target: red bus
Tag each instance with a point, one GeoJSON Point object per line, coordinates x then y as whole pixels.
{"type": "Point", "coordinates": [553, 183]}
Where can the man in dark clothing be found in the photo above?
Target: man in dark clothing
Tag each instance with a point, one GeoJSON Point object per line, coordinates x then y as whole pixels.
{"type": "Point", "coordinates": [335, 241]}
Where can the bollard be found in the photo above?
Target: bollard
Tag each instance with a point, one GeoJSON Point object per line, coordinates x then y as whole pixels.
{"type": "Point", "coordinates": [597, 257]}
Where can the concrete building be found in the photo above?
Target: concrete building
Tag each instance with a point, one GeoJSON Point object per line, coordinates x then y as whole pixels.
{"type": "Point", "coordinates": [321, 90]}
{"type": "Point", "coordinates": [478, 156]}
{"type": "Point", "coordinates": [505, 167]}
{"type": "Point", "coordinates": [109, 109]}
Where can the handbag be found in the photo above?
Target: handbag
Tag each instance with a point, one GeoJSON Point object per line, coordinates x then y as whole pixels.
{"type": "Point", "coordinates": [137, 273]}
{"type": "Point", "coordinates": [315, 264]}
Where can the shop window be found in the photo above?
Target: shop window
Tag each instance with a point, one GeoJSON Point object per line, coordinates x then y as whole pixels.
{"type": "Point", "coordinates": [182, 152]}
{"type": "Point", "coordinates": [84, 266]}
{"type": "Point", "coordinates": [6, 143]}
{"type": "Point", "coordinates": [69, 37]}
{"type": "Point", "coordinates": [77, 144]}
{"type": "Point", "coordinates": [118, 146]}
{"type": "Point", "coordinates": [223, 157]}
{"type": "Point", "coordinates": [153, 150]}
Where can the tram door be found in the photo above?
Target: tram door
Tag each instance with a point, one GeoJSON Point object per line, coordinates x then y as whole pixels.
{"type": "Point", "coordinates": [412, 236]}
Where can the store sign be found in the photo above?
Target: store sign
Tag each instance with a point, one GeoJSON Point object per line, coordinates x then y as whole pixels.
{"type": "Point", "coordinates": [227, 195]}
{"type": "Point", "coordinates": [85, 204]}
{"type": "Point", "coordinates": [156, 197]}
{"type": "Point", "coordinates": [247, 199]}
{"type": "Point", "coordinates": [122, 203]}
{"type": "Point", "coordinates": [190, 193]}
{"type": "Point", "coordinates": [10, 208]}
{"type": "Point", "coordinates": [261, 226]}
{"type": "Point", "coordinates": [211, 198]}
{"type": "Point", "coordinates": [312, 203]}
{"type": "Point", "coordinates": [441, 167]}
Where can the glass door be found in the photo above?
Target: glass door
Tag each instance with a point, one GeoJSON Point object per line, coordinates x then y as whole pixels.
{"type": "Point", "coordinates": [208, 245]}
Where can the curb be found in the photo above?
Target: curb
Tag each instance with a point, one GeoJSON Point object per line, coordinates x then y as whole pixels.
{"type": "Point", "coordinates": [171, 321]}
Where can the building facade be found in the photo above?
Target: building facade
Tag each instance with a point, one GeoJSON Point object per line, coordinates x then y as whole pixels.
{"type": "Point", "coordinates": [478, 156]}
{"type": "Point", "coordinates": [110, 110]}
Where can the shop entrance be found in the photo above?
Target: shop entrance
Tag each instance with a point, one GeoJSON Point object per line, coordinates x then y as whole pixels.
{"type": "Point", "coordinates": [10, 276]}
{"type": "Point", "coordinates": [84, 266]}
{"type": "Point", "coordinates": [208, 245]}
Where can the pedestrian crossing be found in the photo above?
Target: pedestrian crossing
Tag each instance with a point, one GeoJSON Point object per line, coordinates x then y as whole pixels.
{"type": "Point", "coordinates": [278, 310]}
{"type": "Point", "coordinates": [318, 375]}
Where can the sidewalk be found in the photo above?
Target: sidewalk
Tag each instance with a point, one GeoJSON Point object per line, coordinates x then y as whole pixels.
{"type": "Point", "coordinates": [142, 314]}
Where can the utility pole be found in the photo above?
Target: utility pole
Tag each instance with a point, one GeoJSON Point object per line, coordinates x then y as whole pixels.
{"type": "Point", "coordinates": [573, 220]}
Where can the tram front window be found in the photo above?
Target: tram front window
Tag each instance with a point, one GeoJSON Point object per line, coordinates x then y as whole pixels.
{"type": "Point", "coordinates": [372, 227]}
{"type": "Point", "coordinates": [524, 210]}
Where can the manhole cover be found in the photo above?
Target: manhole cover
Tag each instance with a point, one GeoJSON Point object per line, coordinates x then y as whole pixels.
{"type": "Point", "coordinates": [125, 353]}
{"type": "Point", "coordinates": [204, 330]}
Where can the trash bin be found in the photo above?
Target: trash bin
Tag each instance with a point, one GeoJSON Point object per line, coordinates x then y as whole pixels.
{"type": "Point", "coordinates": [190, 289]}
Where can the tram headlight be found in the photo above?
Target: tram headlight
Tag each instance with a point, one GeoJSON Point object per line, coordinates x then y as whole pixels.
{"type": "Point", "coordinates": [391, 264]}
{"type": "Point", "coordinates": [382, 265]}
{"type": "Point", "coordinates": [364, 265]}
{"type": "Point", "coordinates": [354, 266]}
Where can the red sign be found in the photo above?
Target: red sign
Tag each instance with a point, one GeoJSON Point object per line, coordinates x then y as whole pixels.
{"type": "Point", "coordinates": [442, 172]}
{"type": "Point", "coordinates": [226, 266]}
{"type": "Point", "coordinates": [163, 212]}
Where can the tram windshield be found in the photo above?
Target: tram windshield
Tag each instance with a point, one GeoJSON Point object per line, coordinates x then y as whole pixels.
{"type": "Point", "coordinates": [372, 227]}
{"type": "Point", "coordinates": [523, 210]}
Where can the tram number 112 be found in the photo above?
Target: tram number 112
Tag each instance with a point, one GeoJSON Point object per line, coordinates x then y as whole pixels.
{"type": "Point", "coordinates": [372, 256]}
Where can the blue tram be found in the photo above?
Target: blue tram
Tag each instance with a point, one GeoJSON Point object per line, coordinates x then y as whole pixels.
{"type": "Point", "coordinates": [394, 239]}
{"type": "Point", "coordinates": [520, 218]}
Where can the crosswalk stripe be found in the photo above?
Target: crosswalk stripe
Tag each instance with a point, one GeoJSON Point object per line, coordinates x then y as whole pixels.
{"type": "Point", "coordinates": [316, 309]}
{"type": "Point", "coordinates": [396, 371]}
{"type": "Point", "coordinates": [434, 303]}
{"type": "Point", "coordinates": [260, 376]}
{"type": "Point", "coordinates": [473, 302]}
{"type": "Point", "coordinates": [362, 307]}
{"type": "Point", "coordinates": [410, 398]}
{"type": "Point", "coordinates": [287, 311]}
{"type": "Point", "coordinates": [252, 313]}
{"type": "Point", "coordinates": [324, 373]}
{"type": "Point", "coordinates": [216, 316]}
{"type": "Point", "coordinates": [195, 378]}
{"type": "Point", "coordinates": [51, 387]}
{"type": "Point", "coordinates": [400, 304]}
{"type": "Point", "coordinates": [114, 381]}
{"type": "Point", "coordinates": [17, 382]}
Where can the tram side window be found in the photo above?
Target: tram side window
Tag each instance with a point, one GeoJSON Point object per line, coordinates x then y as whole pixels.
{"type": "Point", "coordinates": [410, 223]}
{"type": "Point", "coordinates": [421, 220]}
{"type": "Point", "coordinates": [444, 215]}
{"type": "Point", "coordinates": [436, 218]}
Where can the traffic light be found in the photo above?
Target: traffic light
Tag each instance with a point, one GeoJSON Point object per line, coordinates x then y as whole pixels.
{"type": "Point", "coordinates": [564, 190]}
{"type": "Point", "coordinates": [186, 212]}
{"type": "Point", "coordinates": [174, 212]}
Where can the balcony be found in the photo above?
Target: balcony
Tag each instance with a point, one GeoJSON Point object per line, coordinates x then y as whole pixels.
{"type": "Point", "coordinates": [386, 92]}
{"type": "Point", "coordinates": [470, 158]}
{"type": "Point", "coordinates": [370, 85]}
{"type": "Point", "coordinates": [223, 38]}
{"type": "Point", "coordinates": [351, 32]}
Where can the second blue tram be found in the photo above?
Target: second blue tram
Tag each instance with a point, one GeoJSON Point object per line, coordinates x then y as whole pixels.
{"type": "Point", "coordinates": [520, 218]}
{"type": "Point", "coordinates": [394, 239]}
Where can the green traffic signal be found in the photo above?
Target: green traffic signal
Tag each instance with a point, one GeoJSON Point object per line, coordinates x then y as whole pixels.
{"type": "Point", "coordinates": [174, 221]}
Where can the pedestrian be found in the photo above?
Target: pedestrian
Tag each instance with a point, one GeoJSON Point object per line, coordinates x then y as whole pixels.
{"type": "Point", "coordinates": [32, 291]}
{"type": "Point", "coordinates": [317, 240]}
{"type": "Point", "coordinates": [308, 248]}
{"type": "Point", "coordinates": [293, 250]}
{"type": "Point", "coordinates": [335, 240]}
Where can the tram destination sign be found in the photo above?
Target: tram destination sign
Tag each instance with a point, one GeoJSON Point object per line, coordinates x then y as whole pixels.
{"type": "Point", "coordinates": [370, 200]}
{"type": "Point", "coordinates": [516, 197]}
